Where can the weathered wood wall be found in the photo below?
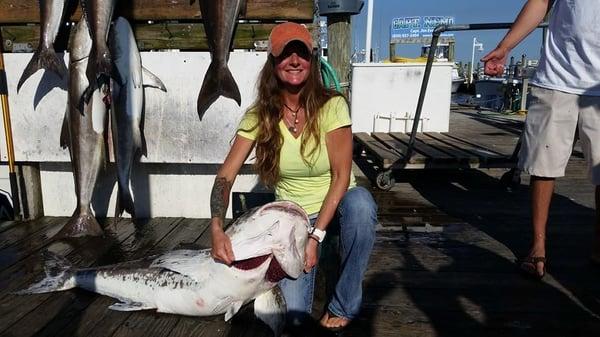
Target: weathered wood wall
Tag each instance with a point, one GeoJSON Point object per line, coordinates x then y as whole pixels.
{"type": "Point", "coordinates": [175, 24]}
{"type": "Point", "coordinates": [184, 36]}
{"type": "Point", "coordinates": [27, 11]}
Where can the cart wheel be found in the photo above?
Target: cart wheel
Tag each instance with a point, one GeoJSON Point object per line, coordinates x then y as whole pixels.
{"type": "Point", "coordinates": [385, 181]}
{"type": "Point", "coordinates": [511, 179]}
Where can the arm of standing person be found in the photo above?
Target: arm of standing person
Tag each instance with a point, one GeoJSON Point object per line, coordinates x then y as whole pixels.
{"type": "Point", "coordinates": [219, 197]}
{"type": "Point", "coordinates": [339, 150]}
{"type": "Point", "coordinates": [529, 18]}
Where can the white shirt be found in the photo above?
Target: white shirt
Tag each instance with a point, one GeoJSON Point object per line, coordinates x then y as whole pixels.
{"type": "Point", "coordinates": [570, 59]}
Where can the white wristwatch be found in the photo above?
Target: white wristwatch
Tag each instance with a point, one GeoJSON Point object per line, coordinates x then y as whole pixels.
{"type": "Point", "coordinates": [318, 233]}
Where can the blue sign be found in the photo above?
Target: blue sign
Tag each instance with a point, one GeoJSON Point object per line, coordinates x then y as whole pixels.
{"type": "Point", "coordinates": [417, 26]}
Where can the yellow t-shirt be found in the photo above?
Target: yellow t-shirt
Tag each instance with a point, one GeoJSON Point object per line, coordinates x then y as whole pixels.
{"type": "Point", "coordinates": [307, 185]}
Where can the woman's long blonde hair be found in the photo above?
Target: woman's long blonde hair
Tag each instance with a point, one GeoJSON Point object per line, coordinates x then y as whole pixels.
{"type": "Point", "coordinates": [268, 109]}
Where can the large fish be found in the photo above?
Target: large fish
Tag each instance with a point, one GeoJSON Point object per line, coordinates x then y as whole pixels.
{"type": "Point", "coordinates": [99, 69]}
{"type": "Point", "coordinates": [268, 244]}
{"type": "Point", "coordinates": [51, 13]}
{"type": "Point", "coordinates": [127, 108]}
{"type": "Point", "coordinates": [84, 135]}
{"type": "Point", "coordinates": [219, 18]}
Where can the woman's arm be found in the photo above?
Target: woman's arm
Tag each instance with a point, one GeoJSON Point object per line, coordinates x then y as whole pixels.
{"type": "Point", "coordinates": [339, 150]}
{"type": "Point", "coordinates": [219, 197]}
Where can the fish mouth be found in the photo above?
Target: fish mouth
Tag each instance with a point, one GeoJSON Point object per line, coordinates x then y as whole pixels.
{"type": "Point", "coordinates": [287, 207]}
{"type": "Point", "coordinates": [274, 273]}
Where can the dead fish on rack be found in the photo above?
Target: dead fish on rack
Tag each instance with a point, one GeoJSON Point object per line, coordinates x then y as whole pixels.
{"type": "Point", "coordinates": [83, 132]}
{"type": "Point", "coordinates": [51, 13]}
{"type": "Point", "coordinates": [99, 69]}
{"type": "Point", "coordinates": [268, 244]}
{"type": "Point", "coordinates": [219, 18]}
{"type": "Point", "coordinates": [127, 108]}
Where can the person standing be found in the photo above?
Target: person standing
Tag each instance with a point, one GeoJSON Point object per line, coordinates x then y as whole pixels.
{"type": "Point", "coordinates": [303, 140]}
{"type": "Point", "coordinates": [565, 98]}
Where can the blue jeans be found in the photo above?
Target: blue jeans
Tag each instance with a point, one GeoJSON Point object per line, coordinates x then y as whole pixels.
{"type": "Point", "coordinates": [357, 218]}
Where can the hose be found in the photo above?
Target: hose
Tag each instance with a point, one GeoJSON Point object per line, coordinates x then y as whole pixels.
{"type": "Point", "coordinates": [329, 76]}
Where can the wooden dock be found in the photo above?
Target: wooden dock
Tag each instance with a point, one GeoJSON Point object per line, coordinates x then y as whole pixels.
{"type": "Point", "coordinates": [443, 265]}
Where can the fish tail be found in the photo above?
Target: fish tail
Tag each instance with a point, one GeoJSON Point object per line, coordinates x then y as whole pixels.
{"type": "Point", "coordinates": [59, 276]}
{"type": "Point", "coordinates": [65, 139]}
{"type": "Point", "coordinates": [124, 202]}
{"type": "Point", "coordinates": [43, 58]}
{"type": "Point", "coordinates": [98, 72]}
{"type": "Point", "coordinates": [80, 224]}
{"type": "Point", "coordinates": [218, 81]}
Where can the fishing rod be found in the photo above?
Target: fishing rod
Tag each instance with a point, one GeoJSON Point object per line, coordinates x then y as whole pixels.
{"type": "Point", "coordinates": [10, 150]}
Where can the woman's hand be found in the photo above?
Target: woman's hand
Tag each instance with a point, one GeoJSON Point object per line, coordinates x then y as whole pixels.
{"type": "Point", "coordinates": [221, 246]}
{"type": "Point", "coordinates": [310, 254]}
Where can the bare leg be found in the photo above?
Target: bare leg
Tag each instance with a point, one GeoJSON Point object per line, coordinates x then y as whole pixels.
{"type": "Point", "coordinates": [541, 195]}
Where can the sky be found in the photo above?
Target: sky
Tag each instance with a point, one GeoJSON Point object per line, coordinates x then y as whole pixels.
{"type": "Point", "coordinates": [463, 11]}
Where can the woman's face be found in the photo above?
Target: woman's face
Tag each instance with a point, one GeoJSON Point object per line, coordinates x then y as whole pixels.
{"type": "Point", "coordinates": [292, 67]}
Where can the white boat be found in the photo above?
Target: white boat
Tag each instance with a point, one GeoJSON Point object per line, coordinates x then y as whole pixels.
{"type": "Point", "coordinates": [457, 80]}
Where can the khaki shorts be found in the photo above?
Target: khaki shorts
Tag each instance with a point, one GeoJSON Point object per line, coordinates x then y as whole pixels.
{"type": "Point", "coordinates": [552, 120]}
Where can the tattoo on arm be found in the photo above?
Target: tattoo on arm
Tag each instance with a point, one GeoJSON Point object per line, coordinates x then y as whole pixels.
{"type": "Point", "coordinates": [219, 197]}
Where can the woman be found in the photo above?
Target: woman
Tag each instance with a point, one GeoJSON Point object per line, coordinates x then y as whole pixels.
{"type": "Point", "coordinates": [303, 141]}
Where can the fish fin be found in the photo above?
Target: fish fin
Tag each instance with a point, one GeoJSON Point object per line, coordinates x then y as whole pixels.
{"type": "Point", "coordinates": [233, 309]}
{"type": "Point", "coordinates": [80, 225]}
{"type": "Point", "coordinates": [64, 130]}
{"type": "Point", "coordinates": [124, 202]}
{"type": "Point", "coordinates": [144, 147]}
{"type": "Point", "coordinates": [130, 306]}
{"type": "Point", "coordinates": [100, 68]}
{"type": "Point", "coordinates": [85, 97]}
{"type": "Point", "coordinates": [43, 58]}
{"type": "Point", "coordinates": [99, 71]}
{"type": "Point", "coordinates": [218, 81]}
{"type": "Point", "coordinates": [59, 274]}
{"type": "Point", "coordinates": [151, 80]}
{"type": "Point", "coordinates": [270, 308]}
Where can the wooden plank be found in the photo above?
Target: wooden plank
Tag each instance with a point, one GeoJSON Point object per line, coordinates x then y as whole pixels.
{"type": "Point", "coordinates": [31, 243]}
{"type": "Point", "coordinates": [386, 156]}
{"type": "Point", "coordinates": [457, 153]}
{"type": "Point", "coordinates": [182, 36]}
{"type": "Point", "coordinates": [23, 232]}
{"type": "Point", "coordinates": [394, 144]}
{"type": "Point", "coordinates": [23, 274]}
{"type": "Point", "coordinates": [66, 305]}
{"type": "Point", "coordinates": [97, 319]}
{"type": "Point", "coordinates": [6, 224]}
{"type": "Point", "coordinates": [481, 152]}
{"type": "Point", "coordinates": [505, 150]}
{"type": "Point", "coordinates": [27, 11]}
{"type": "Point", "coordinates": [430, 152]}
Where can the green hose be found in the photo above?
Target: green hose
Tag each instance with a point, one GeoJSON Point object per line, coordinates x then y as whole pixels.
{"type": "Point", "coordinates": [329, 75]}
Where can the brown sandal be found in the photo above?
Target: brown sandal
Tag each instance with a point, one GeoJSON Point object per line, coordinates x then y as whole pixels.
{"type": "Point", "coordinates": [528, 267]}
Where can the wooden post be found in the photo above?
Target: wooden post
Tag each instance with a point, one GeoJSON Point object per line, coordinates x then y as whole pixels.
{"type": "Point", "coordinates": [338, 46]}
{"type": "Point", "coordinates": [30, 191]}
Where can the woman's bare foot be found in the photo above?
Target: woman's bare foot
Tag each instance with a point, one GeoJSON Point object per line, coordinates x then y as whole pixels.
{"type": "Point", "coordinates": [331, 321]}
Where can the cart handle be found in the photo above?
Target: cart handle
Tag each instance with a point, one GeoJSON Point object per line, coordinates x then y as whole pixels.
{"type": "Point", "coordinates": [434, 41]}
